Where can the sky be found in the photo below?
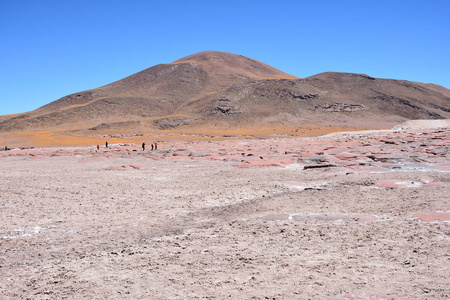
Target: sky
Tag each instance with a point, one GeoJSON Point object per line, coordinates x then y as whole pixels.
{"type": "Point", "coordinates": [50, 49]}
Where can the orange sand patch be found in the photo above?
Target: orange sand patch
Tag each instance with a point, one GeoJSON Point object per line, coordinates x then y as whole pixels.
{"type": "Point", "coordinates": [68, 137]}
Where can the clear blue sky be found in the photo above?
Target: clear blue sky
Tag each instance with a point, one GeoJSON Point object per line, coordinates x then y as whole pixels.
{"type": "Point", "coordinates": [49, 49]}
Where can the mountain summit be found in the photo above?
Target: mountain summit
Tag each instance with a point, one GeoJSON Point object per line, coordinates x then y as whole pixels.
{"type": "Point", "coordinates": [231, 68]}
{"type": "Point", "coordinates": [221, 92]}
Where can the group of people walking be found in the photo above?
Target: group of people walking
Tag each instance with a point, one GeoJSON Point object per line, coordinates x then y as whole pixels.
{"type": "Point", "coordinates": [154, 146]}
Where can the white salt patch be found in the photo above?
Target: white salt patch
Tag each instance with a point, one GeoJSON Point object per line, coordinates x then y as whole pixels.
{"type": "Point", "coordinates": [294, 166]}
{"type": "Point", "coordinates": [16, 233]}
{"type": "Point", "coordinates": [410, 184]}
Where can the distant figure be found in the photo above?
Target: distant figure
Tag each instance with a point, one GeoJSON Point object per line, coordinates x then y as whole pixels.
{"type": "Point", "coordinates": [156, 146]}
{"type": "Point", "coordinates": [6, 148]}
{"type": "Point", "coordinates": [152, 147]}
{"type": "Point", "coordinates": [98, 147]}
{"type": "Point", "coordinates": [143, 146]}
{"type": "Point", "coordinates": [106, 144]}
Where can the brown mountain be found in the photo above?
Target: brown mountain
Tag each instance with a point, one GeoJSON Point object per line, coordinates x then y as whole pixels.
{"type": "Point", "coordinates": [222, 92]}
{"type": "Point", "coordinates": [155, 92]}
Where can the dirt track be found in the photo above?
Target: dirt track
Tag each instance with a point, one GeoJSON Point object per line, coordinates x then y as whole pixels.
{"type": "Point", "coordinates": [230, 219]}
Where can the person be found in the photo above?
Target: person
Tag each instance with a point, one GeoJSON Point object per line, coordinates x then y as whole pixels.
{"type": "Point", "coordinates": [152, 146]}
{"type": "Point", "coordinates": [156, 146]}
{"type": "Point", "coordinates": [143, 146]}
{"type": "Point", "coordinates": [98, 147]}
{"type": "Point", "coordinates": [106, 144]}
{"type": "Point", "coordinates": [6, 148]}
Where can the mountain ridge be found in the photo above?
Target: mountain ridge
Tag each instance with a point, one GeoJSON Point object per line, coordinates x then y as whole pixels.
{"type": "Point", "coordinates": [223, 91]}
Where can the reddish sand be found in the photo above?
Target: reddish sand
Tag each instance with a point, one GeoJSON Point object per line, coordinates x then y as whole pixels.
{"type": "Point", "coordinates": [427, 150]}
{"type": "Point", "coordinates": [433, 216]}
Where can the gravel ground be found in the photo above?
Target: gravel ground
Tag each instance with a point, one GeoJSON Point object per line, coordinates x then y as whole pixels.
{"type": "Point", "coordinates": [206, 220]}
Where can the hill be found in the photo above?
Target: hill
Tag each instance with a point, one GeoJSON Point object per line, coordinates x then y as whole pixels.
{"type": "Point", "coordinates": [221, 93]}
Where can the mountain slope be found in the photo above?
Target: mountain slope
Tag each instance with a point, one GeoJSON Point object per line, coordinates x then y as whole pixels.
{"type": "Point", "coordinates": [157, 91]}
{"type": "Point", "coordinates": [217, 90]}
{"type": "Point", "coordinates": [327, 99]}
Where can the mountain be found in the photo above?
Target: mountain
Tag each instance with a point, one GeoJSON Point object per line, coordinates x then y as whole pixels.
{"type": "Point", "coordinates": [217, 91]}
{"type": "Point", "coordinates": [157, 91]}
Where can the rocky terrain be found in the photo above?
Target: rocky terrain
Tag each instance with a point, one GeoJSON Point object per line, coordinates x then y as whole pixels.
{"type": "Point", "coordinates": [356, 215]}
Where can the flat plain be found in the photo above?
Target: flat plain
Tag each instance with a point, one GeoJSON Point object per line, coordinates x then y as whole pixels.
{"type": "Point", "coordinates": [362, 215]}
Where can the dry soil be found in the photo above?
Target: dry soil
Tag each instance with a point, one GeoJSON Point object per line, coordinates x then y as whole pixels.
{"type": "Point", "coordinates": [346, 216]}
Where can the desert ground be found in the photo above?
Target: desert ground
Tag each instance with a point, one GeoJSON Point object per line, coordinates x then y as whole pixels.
{"type": "Point", "coordinates": [362, 215]}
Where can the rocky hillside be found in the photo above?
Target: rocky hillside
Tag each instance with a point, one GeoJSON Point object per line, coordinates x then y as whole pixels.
{"type": "Point", "coordinates": [232, 91]}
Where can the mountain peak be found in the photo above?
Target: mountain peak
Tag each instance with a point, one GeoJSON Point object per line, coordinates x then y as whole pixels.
{"type": "Point", "coordinates": [208, 55]}
{"type": "Point", "coordinates": [217, 62]}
